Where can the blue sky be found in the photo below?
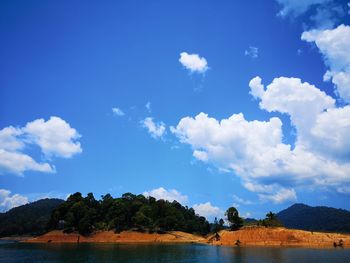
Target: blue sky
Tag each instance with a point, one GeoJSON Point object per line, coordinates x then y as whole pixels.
{"type": "Point", "coordinates": [103, 98]}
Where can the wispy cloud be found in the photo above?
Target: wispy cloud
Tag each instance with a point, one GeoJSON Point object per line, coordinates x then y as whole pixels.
{"type": "Point", "coordinates": [118, 111]}
{"type": "Point", "coordinates": [170, 195]}
{"type": "Point", "coordinates": [252, 52]}
{"type": "Point", "coordinates": [241, 200]}
{"type": "Point", "coordinates": [148, 106]}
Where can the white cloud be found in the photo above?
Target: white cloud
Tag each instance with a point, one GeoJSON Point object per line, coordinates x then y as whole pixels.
{"type": "Point", "coordinates": [256, 88]}
{"type": "Point", "coordinates": [118, 112]}
{"type": "Point", "coordinates": [18, 163]}
{"type": "Point", "coordinates": [157, 130]}
{"type": "Point", "coordinates": [208, 210]}
{"type": "Point", "coordinates": [321, 13]}
{"type": "Point", "coordinates": [148, 106]}
{"type": "Point", "coordinates": [252, 52]}
{"type": "Point", "coordinates": [335, 48]}
{"type": "Point", "coordinates": [9, 139]}
{"type": "Point", "coordinates": [298, 7]}
{"type": "Point", "coordinates": [254, 150]}
{"type": "Point", "coordinates": [7, 201]}
{"type": "Point", "coordinates": [300, 100]}
{"type": "Point", "coordinates": [242, 201]}
{"type": "Point", "coordinates": [281, 196]}
{"type": "Point", "coordinates": [170, 195]}
{"type": "Point", "coordinates": [55, 138]}
{"type": "Point", "coordinates": [200, 155]}
{"type": "Point", "coordinates": [193, 62]}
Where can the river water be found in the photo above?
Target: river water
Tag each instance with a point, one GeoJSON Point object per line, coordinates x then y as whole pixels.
{"type": "Point", "coordinates": [157, 253]}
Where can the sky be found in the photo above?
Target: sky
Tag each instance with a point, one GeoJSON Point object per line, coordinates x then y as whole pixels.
{"type": "Point", "coordinates": [212, 103]}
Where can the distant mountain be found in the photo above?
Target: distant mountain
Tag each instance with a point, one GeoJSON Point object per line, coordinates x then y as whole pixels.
{"type": "Point", "coordinates": [319, 218]}
{"type": "Point", "coordinates": [29, 219]}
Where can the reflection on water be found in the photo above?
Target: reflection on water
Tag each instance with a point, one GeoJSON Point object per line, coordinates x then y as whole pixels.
{"type": "Point", "coordinates": [19, 252]}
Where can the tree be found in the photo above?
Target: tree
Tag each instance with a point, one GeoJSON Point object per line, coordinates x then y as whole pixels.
{"type": "Point", "coordinates": [271, 220]}
{"type": "Point", "coordinates": [221, 223]}
{"type": "Point", "coordinates": [233, 217]}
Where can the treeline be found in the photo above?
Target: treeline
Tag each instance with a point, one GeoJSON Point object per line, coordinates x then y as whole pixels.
{"type": "Point", "coordinates": [86, 214]}
{"type": "Point", "coordinates": [271, 220]}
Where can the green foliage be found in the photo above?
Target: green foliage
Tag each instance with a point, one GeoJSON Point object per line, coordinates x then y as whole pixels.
{"type": "Point", "coordinates": [85, 214]}
{"type": "Point", "coordinates": [271, 220]}
{"type": "Point", "coordinates": [232, 215]}
{"type": "Point", "coordinates": [29, 219]}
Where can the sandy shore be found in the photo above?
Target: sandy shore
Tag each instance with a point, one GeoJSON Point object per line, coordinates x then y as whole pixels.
{"type": "Point", "coordinates": [123, 237]}
{"type": "Point", "coordinates": [249, 236]}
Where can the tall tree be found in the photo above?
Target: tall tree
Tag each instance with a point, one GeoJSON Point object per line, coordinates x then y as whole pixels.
{"type": "Point", "coordinates": [232, 215]}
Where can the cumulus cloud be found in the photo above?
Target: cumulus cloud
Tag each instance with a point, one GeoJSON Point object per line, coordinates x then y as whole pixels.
{"type": "Point", "coordinates": [208, 210]}
{"type": "Point", "coordinates": [9, 139]}
{"type": "Point", "coordinates": [254, 150]}
{"type": "Point", "coordinates": [8, 201]}
{"type": "Point", "coordinates": [55, 137]}
{"type": "Point", "coordinates": [334, 46]}
{"type": "Point", "coordinates": [193, 62]}
{"type": "Point", "coordinates": [170, 195]}
{"type": "Point", "coordinates": [252, 52]}
{"type": "Point", "coordinates": [118, 112]}
{"type": "Point", "coordinates": [256, 88]}
{"type": "Point", "coordinates": [156, 130]}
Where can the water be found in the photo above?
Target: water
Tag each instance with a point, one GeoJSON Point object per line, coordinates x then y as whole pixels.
{"type": "Point", "coordinates": [19, 252]}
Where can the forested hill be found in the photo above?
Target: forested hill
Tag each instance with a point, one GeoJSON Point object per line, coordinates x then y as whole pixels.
{"type": "Point", "coordinates": [86, 214]}
{"type": "Point", "coordinates": [320, 218]}
{"type": "Point", "coordinates": [29, 219]}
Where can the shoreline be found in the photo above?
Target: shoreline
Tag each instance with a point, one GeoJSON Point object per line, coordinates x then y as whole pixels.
{"type": "Point", "coordinates": [248, 237]}
{"type": "Point", "coordinates": [17, 238]}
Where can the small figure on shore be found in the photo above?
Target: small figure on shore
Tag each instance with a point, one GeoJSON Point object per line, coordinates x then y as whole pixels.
{"type": "Point", "coordinates": [238, 243]}
{"type": "Point", "coordinates": [217, 236]}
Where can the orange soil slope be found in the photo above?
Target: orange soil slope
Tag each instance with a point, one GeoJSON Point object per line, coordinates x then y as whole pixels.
{"type": "Point", "coordinates": [123, 237]}
{"type": "Point", "coordinates": [248, 236]}
{"type": "Point", "coordinates": [261, 236]}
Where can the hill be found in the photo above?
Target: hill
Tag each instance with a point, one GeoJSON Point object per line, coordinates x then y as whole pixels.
{"type": "Point", "coordinates": [29, 219]}
{"type": "Point", "coordinates": [320, 218]}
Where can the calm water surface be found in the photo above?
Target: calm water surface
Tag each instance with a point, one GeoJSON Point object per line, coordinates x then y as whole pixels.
{"type": "Point", "coordinates": [18, 252]}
